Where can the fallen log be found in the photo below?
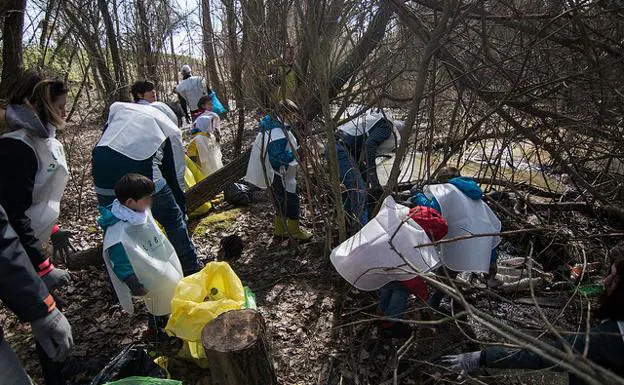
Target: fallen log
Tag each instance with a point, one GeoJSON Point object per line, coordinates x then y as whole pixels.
{"type": "Point", "coordinates": [214, 183]}
{"type": "Point", "coordinates": [236, 347]}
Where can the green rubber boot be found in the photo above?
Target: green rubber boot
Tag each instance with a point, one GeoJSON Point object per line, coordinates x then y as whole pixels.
{"type": "Point", "coordinates": [297, 232]}
{"type": "Point", "coordinates": [278, 227]}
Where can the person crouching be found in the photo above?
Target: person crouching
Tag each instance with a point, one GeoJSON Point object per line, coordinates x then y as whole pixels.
{"type": "Point", "coordinates": [393, 296]}
{"type": "Point", "coordinates": [141, 261]}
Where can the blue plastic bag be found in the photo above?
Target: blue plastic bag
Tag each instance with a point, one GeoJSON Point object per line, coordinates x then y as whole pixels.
{"type": "Point", "coordinates": [216, 104]}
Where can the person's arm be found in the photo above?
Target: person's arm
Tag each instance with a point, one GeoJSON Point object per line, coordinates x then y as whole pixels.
{"type": "Point", "coordinates": [376, 136]}
{"type": "Point", "coordinates": [18, 168]}
{"type": "Point", "coordinates": [21, 289]}
{"type": "Point", "coordinates": [184, 106]}
{"type": "Point", "coordinates": [173, 167]}
{"type": "Point", "coordinates": [122, 268]}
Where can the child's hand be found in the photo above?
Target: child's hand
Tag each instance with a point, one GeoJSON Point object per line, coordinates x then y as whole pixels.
{"type": "Point", "coordinates": [136, 288]}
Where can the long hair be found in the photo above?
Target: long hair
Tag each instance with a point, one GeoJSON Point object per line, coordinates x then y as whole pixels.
{"type": "Point", "coordinates": [43, 95]}
{"type": "Point", "coordinates": [611, 305]}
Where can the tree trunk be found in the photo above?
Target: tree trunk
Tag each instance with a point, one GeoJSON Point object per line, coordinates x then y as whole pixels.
{"type": "Point", "coordinates": [211, 61]}
{"type": "Point", "coordinates": [236, 70]}
{"type": "Point", "coordinates": [122, 94]}
{"type": "Point", "coordinates": [236, 347]}
{"type": "Point", "coordinates": [12, 33]}
{"type": "Point", "coordinates": [148, 63]}
{"type": "Point", "coordinates": [44, 39]}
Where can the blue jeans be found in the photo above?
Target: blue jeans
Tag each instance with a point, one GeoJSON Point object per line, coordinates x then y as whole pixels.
{"type": "Point", "coordinates": [287, 202]}
{"type": "Point", "coordinates": [167, 212]}
{"type": "Point", "coordinates": [392, 299]}
{"type": "Point", "coordinates": [354, 199]}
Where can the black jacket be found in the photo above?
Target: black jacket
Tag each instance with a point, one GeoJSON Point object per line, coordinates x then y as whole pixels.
{"type": "Point", "coordinates": [21, 289]}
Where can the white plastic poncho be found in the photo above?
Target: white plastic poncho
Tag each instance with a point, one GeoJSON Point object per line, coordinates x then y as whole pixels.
{"type": "Point", "coordinates": [138, 130]}
{"type": "Point", "coordinates": [367, 261]}
{"type": "Point", "coordinates": [192, 89]}
{"type": "Point", "coordinates": [465, 216]}
{"type": "Point", "coordinates": [153, 260]}
{"type": "Point", "coordinates": [259, 151]}
{"type": "Point", "coordinates": [209, 153]}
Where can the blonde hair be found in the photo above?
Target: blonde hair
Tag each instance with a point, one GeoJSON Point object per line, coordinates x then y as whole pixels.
{"type": "Point", "coordinates": [43, 96]}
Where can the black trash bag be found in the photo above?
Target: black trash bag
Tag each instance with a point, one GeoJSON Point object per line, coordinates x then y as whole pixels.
{"type": "Point", "coordinates": [133, 360]}
{"type": "Point", "coordinates": [237, 194]}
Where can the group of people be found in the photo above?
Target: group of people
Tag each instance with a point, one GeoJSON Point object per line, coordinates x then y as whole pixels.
{"type": "Point", "coordinates": [138, 168]}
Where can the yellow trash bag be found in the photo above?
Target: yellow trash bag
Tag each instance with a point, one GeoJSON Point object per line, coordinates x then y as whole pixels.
{"type": "Point", "coordinates": [192, 175]}
{"type": "Point", "coordinates": [201, 297]}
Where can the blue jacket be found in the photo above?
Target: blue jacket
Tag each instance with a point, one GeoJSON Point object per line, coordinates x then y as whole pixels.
{"type": "Point", "coordinates": [117, 254]}
{"type": "Point", "coordinates": [278, 151]}
{"type": "Point", "coordinates": [464, 184]}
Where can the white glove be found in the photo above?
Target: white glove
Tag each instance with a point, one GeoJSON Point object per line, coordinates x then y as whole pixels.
{"type": "Point", "coordinates": [464, 363]}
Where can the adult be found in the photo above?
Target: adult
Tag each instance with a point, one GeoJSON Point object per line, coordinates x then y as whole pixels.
{"type": "Point", "coordinates": [358, 144]}
{"type": "Point", "coordinates": [602, 345]}
{"type": "Point", "coordinates": [272, 163]}
{"type": "Point", "coordinates": [190, 90]}
{"type": "Point", "coordinates": [31, 188]}
{"type": "Point", "coordinates": [25, 294]}
{"type": "Point", "coordinates": [283, 73]}
{"type": "Point", "coordinates": [143, 139]}
{"type": "Point", "coordinates": [143, 92]}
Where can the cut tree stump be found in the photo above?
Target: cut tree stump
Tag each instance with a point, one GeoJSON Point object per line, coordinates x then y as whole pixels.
{"type": "Point", "coordinates": [237, 350]}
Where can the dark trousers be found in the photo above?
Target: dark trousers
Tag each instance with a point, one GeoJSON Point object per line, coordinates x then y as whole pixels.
{"type": "Point", "coordinates": [287, 203]}
{"type": "Point", "coordinates": [605, 348]}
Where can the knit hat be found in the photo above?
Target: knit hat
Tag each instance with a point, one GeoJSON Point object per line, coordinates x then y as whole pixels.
{"type": "Point", "coordinates": [431, 221]}
{"type": "Point", "coordinates": [186, 69]}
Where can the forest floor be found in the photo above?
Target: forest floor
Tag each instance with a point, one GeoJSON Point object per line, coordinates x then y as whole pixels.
{"type": "Point", "coordinates": [322, 330]}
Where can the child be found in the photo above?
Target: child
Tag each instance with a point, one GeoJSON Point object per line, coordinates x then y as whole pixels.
{"type": "Point", "coordinates": [465, 217]}
{"type": "Point", "coordinates": [273, 156]}
{"type": "Point", "coordinates": [393, 296]}
{"type": "Point", "coordinates": [204, 148]}
{"type": "Point", "coordinates": [140, 260]}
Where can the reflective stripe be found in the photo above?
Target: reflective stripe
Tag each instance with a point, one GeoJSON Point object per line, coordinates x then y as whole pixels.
{"type": "Point", "coordinates": [49, 301]}
{"type": "Point", "coordinates": [105, 191]}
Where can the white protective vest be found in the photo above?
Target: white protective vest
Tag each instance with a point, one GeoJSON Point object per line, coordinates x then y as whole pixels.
{"type": "Point", "coordinates": [209, 152]}
{"type": "Point", "coordinates": [137, 131]}
{"type": "Point", "coordinates": [362, 126]}
{"type": "Point", "coordinates": [153, 260]}
{"type": "Point", "coordinates": [259, 151]}
{"type": "Point", "coordinates": [465, 216]}
{"type": "Point", "coordinates": [192, 89]}
{"type": "Point", "coordinates": [50, 181]}
{"type": "Point", "coordinates": [367, 261]}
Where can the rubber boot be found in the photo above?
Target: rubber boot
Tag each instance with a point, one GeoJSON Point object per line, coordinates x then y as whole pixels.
{"type": "Point", "coordinates": [278, 227]}
{"type": "Point", "coordinates": [297, 232]}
